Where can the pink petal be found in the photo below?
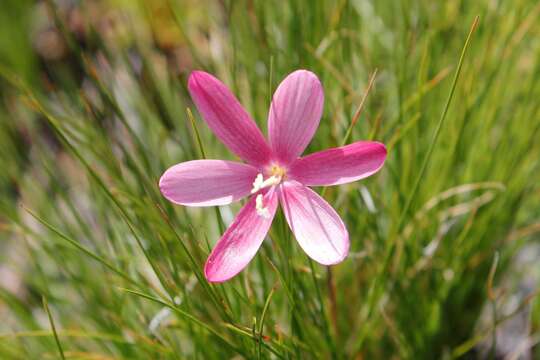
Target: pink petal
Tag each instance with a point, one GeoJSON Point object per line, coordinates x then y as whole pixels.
{"type": "Point", "coordinates": [241, 241]}
{"type": "Point", "coordinates": [207, 182]}
{"type": "Point", "coordinates": [294, 114]}
{"type": "Point", "coordinates": [228, 119]}
{"type": "Point", "coordinates": [339, 165]}
{"type": "Point", "coordinates": [317, 227]}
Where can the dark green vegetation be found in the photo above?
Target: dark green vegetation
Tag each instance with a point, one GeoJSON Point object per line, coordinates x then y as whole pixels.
{"type": "Point", "coordinates": [93, 110]}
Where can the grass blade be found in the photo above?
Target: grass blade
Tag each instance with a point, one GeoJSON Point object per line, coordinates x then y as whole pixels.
{"type": "Point", "coordinates": [53, 328]}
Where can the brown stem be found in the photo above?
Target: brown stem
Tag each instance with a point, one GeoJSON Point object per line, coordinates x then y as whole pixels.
{"type": "Point", "coordinates": [332, 297]}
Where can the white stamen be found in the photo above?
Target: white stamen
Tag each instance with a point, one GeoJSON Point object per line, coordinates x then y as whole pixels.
{"type": "Point", "coordinates": [272, 180]}
{"type": "Point", "coordinates": [260, 183]}
{"type": "Point", "coordinates": [261, 211]}
{"type": "Point", "coordinates": [257, 184]}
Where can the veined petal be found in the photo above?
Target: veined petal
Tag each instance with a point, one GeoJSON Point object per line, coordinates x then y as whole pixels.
{"type": "Point", "coordinates": [294, 114]}
{"type": "Point", "coordinates": [242, 239]}
{"type": "Point", "coordinates": [317, 227]}
{"type": "Point", "coordinates": [228, 119]}
{"type": "Point", "coordinates": [207, 182]}
{"type": "Point", "coordinates": [339, 165]}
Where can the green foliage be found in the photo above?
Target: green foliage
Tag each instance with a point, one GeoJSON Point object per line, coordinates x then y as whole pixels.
{"type": "Point", "coordinates": [94, 109]}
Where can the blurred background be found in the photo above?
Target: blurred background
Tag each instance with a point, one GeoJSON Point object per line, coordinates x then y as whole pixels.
{"type": "Point", "coordinates": [445, 251]}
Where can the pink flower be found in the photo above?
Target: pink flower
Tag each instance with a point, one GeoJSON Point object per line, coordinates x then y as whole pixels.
{"type": "Point", "coordinates": [273, 173]}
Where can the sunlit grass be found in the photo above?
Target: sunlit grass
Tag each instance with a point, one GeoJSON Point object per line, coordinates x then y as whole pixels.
{"type": "Point", "coordinates": [89, 122]}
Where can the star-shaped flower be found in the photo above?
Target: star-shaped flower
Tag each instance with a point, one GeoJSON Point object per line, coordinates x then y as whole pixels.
{"type": "Point", "coordinates": [273, 172]}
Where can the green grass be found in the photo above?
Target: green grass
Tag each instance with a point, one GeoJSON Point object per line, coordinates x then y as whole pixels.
{"type": "Point", "coordinates": [92, 255]}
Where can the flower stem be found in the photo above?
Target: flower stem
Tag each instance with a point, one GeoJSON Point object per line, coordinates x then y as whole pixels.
{"type": "Point", "coordinates": [330, 283]}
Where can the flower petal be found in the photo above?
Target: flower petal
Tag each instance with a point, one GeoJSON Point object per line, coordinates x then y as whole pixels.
{"type": "Point", "coordinates": [317, 227]}
{"type": "Point", "coordinates": [207, 182]}
{"type": "Point", "coordinates": [228, 119]}
{"type": "Point", "coordinates": [339, 165]}
{"type": "Point", "coordinates": [294, 114]}
{"type": "Point", "coordinates": [241, 241]}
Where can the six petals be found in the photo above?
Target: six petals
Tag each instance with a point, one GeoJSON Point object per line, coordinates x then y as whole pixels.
{"type": "Point", "coordinates": [293, 118]}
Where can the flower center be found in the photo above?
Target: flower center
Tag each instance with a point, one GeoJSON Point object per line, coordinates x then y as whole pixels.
{"type": "Point", "coordinates": [276, 175]}
{"type": "Point", "coordinates": [276, 170]}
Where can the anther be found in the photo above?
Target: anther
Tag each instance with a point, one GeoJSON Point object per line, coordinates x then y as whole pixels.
{"type": "Point", "coordinates": [261, 210]}
{"type": "Point", "coordinates": [259, 183]}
